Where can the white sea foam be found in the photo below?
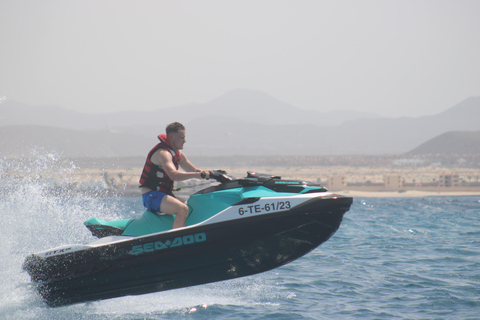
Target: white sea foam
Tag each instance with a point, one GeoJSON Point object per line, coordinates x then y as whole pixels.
{"type": "Point", "coordinates": [33, 218]}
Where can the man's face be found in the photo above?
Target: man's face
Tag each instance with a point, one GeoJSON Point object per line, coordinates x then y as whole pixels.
{"type": "Point", "coordinates": [178, 139]}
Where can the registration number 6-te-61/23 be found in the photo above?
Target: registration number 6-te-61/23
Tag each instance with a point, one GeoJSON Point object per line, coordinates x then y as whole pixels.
{"type": "Point", "coordinates": [266, 207]}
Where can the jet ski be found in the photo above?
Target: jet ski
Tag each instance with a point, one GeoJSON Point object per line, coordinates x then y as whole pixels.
{"type": "Point", "coordinates": [236, 228]}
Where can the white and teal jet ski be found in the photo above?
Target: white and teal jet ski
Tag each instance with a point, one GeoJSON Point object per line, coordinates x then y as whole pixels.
{"type": "Point", "coordinates": [237, 228]}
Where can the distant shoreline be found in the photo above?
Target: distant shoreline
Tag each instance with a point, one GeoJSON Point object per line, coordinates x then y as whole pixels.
{"type": "Point", "coordinates": [405, 194]}
{"type": "Point", "coordinates": [120, 177]}
{"type": "Point", "coordinates": [361, 194]}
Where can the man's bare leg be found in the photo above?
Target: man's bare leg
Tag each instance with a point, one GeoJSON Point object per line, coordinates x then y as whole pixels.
{"type": "Point", "coordinates": [171, 205]}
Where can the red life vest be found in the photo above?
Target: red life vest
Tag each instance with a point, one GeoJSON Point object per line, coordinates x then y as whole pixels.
{"type": "Point", "coordinates": [153, 176]}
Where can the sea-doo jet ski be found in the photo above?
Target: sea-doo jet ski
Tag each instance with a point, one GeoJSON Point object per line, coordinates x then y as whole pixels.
{"type": "Point", "coordinates": [237, 228]}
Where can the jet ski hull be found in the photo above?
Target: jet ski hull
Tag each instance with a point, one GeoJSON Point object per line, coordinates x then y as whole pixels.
{"type": "Point", "coordinates": [186, 257]}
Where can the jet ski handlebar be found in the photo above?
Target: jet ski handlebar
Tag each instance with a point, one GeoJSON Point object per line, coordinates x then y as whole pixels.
{"type": "Point", "coordinates": [221, 176]}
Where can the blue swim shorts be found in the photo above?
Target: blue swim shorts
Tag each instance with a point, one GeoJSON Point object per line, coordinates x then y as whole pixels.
{"type": "Point", "coordinates": [152, 200]}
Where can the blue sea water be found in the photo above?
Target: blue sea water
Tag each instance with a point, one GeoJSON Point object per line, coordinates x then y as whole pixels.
{"type": "Point", "coordinates": [392, 258]}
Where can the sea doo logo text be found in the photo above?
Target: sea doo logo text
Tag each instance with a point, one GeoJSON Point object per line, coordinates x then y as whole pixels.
{"type": "Point", "coordinates": [268, 207]}
{"type": "Point", "coordinates": [160, 245]}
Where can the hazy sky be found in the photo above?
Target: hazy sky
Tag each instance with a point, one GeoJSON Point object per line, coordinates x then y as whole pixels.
{"type": "Point", "coordinates": [394, 58]}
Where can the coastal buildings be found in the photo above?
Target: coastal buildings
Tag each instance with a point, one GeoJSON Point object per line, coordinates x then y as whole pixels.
{"type": "Point", "coordinates": [392, 182]}
{"type": "Point", "coordinates": [445, 181]}
{"type": "Point", "coordinates": [336, 182]}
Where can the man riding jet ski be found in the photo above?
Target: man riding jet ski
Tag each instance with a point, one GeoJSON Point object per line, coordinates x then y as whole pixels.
{"type": "Point", "coordinates": [237, 228]}
{"type": "Point", "coordinates": [161, 169]}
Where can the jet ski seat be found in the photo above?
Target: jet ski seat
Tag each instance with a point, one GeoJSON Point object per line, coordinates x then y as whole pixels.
{"type": "Point", "coordinates": [101, 228]}
{"type": "Point", "coordinates": [149, 222]}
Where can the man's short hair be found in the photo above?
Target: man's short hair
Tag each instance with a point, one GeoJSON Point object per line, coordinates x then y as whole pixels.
{"type": "Point", "coordinates": [174, 127]}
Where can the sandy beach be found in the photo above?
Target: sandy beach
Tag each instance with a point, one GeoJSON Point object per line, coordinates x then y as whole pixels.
{"type": "Point", "coordinates": [359, 179]}
{"type": "Point", "coordinates": [405, 194]}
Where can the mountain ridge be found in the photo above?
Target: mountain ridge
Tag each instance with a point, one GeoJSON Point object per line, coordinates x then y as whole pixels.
{"type": "Point", "coordinates": [249, 105]}
{"type": "Point", "coordinates": [209, 133]}
{"type": "Point", "coordinates": [452, 142]}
